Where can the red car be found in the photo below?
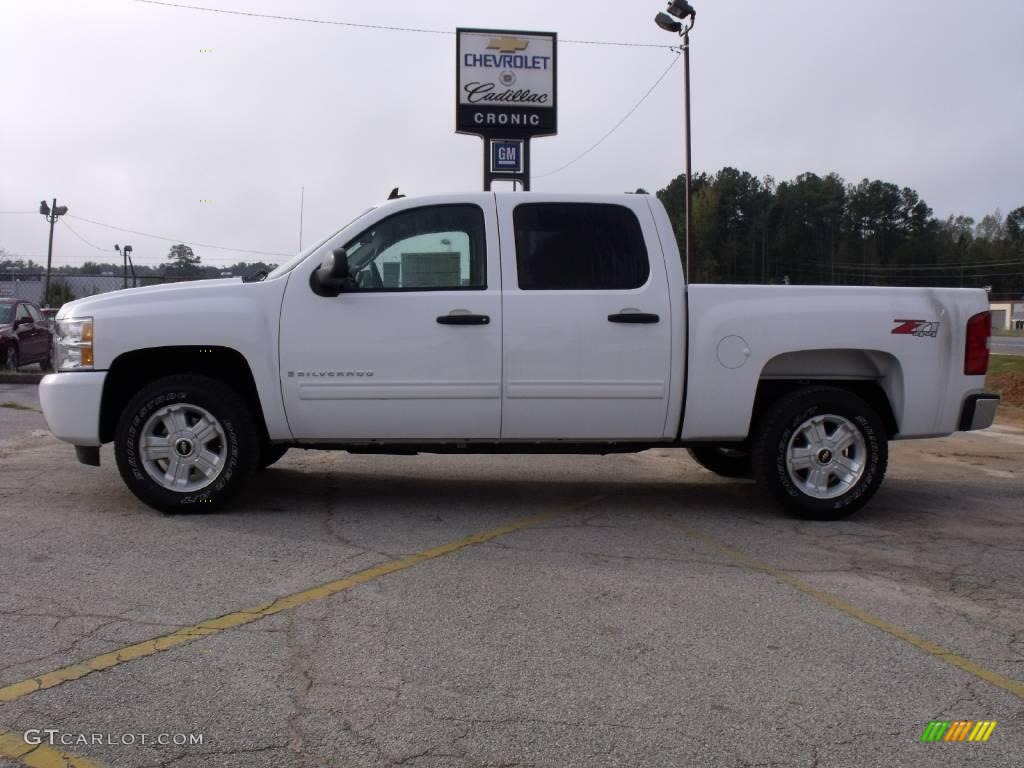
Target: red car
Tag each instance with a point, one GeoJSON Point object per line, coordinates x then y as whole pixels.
{"type": "Point", "coordinates": [26, 336]}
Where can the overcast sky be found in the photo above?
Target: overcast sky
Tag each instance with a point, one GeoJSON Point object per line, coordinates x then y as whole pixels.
{"type": "Point", "coordinates": [111, 106]}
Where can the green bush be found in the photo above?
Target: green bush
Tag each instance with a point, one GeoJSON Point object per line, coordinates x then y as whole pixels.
{"type": "Point", "coordinates": [59, 293]}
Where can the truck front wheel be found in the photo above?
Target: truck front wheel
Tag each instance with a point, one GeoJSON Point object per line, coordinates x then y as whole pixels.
{"type": "Point", "coordinates": [822, 451]}
{"type": "Point", "coordinates": [186, 444]}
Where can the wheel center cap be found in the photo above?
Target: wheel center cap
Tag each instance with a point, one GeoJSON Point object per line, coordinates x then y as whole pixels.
{"type": "Point", "coordinates": [824, 456]}
{"type": "Point", "coordinates": [183, 447]}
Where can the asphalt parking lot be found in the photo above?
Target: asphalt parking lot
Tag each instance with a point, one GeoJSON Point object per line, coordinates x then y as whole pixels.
{"type": "Point", "coordinates": [509, 611]}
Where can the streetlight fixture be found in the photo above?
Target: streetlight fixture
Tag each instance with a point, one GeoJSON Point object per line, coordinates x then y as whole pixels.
{"type": "Point", "coordinates": [683, 12]}
{"type": "Point", "coordinates": [667, 23]}
{"type": "Point", "coordinates": [51, 215]}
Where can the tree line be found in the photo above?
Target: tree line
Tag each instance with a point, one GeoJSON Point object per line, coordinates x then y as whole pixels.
{"type": "Point", "coordinates": [182, 264]}
{"type": "Point", "coordinates": [810, 230]}
{"type": "Point", "coordinates": [823, 230]}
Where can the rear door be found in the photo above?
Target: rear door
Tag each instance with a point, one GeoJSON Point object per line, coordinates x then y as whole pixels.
{"type": "Point", "coordinates": [586, 314]}
{"type": "Point", "coordinates": [43, 331]}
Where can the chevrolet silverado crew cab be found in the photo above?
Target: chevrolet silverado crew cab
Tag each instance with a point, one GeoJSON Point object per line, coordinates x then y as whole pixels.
{"type": "Point", "coordinates": [514, 323]}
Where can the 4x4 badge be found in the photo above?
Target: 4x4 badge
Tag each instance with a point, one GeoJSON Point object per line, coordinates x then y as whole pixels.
{"type": "Point", "coordinates": [919, 328]}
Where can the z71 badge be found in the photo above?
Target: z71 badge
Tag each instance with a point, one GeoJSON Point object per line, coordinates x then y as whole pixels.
{"type": "Point", "coordinates": [919, 328]}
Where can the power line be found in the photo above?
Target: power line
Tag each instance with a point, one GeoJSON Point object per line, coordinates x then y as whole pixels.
{"type": "Point", "coordinates": [376, 27]}
{"type": "Point", "coordinates": [925, 267]}
{"type": "Point", "coordinates": [253, 14]}
{"type": "Point", "coordinates": [178, 239]}
{"type": "Point", "coordinates": [616, 126]}
{"type": "Point", "coordinates": [84, 240]}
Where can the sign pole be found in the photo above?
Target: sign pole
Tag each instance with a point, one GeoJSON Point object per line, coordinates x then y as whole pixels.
{"type": "Point", "coordinates": [526, 166]}
{"type": "Point", "coordinates": [486, 163]}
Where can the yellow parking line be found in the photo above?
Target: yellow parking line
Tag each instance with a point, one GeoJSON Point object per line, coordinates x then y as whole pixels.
{"type": "Point", "coordinates": [209, 627]}
{"type": "Point", "coordinates": [943, 654]}
{"type": "Point", "coordinates": [13, 746]}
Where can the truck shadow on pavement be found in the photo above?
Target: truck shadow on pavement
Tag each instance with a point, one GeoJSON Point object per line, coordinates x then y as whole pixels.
{"type": "Point", "coordinates": [287, 491]}
{"type": "Point", "coordinates": [694, 495]}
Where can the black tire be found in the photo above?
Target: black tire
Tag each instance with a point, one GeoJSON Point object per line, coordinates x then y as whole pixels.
{"type": "Point", "coordinates": [271, 454]}
{"type": "Point", "coordinates": [723, 460]}
{"type": "Point", "coordinates": [238, 451]}
{"type": "Point", "coordinates": [776, 436]}
{"type": "Point", "coordinates": [11, 359]}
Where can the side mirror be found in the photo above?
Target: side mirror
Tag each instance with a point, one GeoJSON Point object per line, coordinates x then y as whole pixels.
{"type": "Point", "coordinates": [333, 276]}
{"type": "Point", "coordinates": [20, 321]}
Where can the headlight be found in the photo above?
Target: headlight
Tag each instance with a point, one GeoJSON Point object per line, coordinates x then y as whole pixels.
{"type": "Point", "coordinates": [74, 343]}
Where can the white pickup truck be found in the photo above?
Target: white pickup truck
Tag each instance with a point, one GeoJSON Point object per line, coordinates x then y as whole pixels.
{"type": "Point", "coordinates": [514, 323]}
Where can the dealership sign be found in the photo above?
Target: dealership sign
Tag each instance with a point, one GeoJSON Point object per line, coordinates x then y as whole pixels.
{"type": "Point", "coordinates": [506, 88]}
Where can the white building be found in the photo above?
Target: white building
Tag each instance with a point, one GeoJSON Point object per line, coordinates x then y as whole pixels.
{"type": "Point", "coordinates": [1007, 315]}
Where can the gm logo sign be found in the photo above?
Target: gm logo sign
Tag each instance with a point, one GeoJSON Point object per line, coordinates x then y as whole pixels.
{"type": "Point", "coordinates": [506, 156]}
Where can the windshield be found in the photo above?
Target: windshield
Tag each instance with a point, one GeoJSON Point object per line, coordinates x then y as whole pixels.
{"type": "Point", "coordinates": [5, 313]}
{"type": "Point", "coordinates": [298, 258]}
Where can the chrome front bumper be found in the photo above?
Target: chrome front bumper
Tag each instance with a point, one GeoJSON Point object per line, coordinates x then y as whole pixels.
{"type": "Point", "coordinates": [979, 412]}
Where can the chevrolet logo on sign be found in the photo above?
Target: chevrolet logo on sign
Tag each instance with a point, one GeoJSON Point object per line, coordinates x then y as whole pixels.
{"type": "Point", "coordinates": [508, 44]}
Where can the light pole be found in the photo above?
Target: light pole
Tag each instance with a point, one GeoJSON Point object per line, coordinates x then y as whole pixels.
{"type": "Point", "coordinates": [51, 214]}
{"type": "Point", "coordinates": [126, 260]}
{"type": "Point", "coordinates": [683, 10]}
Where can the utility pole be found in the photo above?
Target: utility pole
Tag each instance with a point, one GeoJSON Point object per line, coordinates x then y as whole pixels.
{"type": "Point", "coordinates": [51, 215]}
{"type": "Point", "coordinates": [689, 156]}
{"type": "Point", "coordinates": [126, 260]}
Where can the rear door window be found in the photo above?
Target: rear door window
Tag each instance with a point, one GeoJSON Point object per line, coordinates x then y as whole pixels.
{"type": "Point", "coordinates": [579, 247]}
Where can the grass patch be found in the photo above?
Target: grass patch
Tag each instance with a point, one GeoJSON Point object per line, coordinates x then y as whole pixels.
{"type": "Point", "coordinates": [19, 407]}
{"type": "Point", "coordinates": [1006, 378]}
{"type": "Point", "coordinates": [1003, 364]}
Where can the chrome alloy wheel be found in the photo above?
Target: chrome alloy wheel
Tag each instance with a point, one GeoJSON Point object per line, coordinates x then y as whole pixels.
{"type": "Point", "coordinates": [826, 456]}
{"type": "Point", "coordinates": [183, 447]}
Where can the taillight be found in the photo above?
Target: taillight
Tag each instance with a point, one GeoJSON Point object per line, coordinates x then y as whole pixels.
{"type": "Point", "coordinates": [979, 329]}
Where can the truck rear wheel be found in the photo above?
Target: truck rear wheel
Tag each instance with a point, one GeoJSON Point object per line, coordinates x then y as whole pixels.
{"type": "Point", "coordinates": [723, 460]}
{"type": "Point", "coordinates": [822, 451]}
{"type": "Point", "coordinates": [186, 444]}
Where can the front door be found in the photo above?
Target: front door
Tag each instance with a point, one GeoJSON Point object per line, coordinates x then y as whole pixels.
{"type": "Point", "coordinates": [413, 351]}
{"type": "Point", "coordinates": [31, 336]}
{"type": "Point", "coordinates": [588, 327]}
